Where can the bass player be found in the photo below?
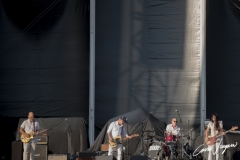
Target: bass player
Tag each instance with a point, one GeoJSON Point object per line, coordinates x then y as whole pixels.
{"type": "Point", "coordinates": [215, 129]}
{"type": "Point", "coordinates": [29, 125]}
{"type": "Point", "coordinates": [116, 129]}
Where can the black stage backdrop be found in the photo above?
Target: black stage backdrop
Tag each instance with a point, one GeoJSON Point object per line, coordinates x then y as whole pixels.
{"type": "Point", "coordinates": [147, 56]}
{"type": "Point", "coordinates": [44, 58]}
{"type": "Point", "coordinates": [223, 57]}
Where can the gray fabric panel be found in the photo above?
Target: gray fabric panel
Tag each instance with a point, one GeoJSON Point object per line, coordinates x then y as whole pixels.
{"type": "Point", "coordinates": [148, 56]}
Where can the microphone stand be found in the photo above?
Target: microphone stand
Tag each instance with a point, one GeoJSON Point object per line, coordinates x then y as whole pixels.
{"type": "Point", "coordinates": [127, 144]}
{"type": "Point", "coordinates": [188, 132]}
{"type": "Point", "coordinates": [181, 132]}
{"type": "Point", "coordinates": [142, 150]}
{"type": "Point", "coordinates": [191, 141]}
{"type": "Point", "coordinates": [179, 116]}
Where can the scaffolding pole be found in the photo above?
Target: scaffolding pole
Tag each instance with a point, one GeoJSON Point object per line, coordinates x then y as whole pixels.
{"type": "Point", "coordinates": [203, 62]}
{"type": "Point", "coordinates": [92, 73]}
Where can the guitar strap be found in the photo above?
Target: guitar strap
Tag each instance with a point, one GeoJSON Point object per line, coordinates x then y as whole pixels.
{"type": "Point", "coordinates": [122, 132]}
{"type": "Point", "coordinates": [34, 126]}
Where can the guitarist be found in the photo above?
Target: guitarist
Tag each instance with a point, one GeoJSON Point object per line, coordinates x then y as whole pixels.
{"type": "Point", "coordinates": [115, 129]}
{"type": "Point", "coordinates": [29, 125]}
{"type": "Point", "coordinates": [215, 128]}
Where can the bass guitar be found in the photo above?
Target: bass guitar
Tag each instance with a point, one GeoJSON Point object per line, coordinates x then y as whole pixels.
{"type": "Point", "coordinates": [117, 140]}
{"type": "Point", "coordinates": [212, 139]}
{"type": "Point", "coordinates": [25, 139]}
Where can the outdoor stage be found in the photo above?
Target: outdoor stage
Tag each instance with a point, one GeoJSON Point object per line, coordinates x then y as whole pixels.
{"type": "Point", "coordinates": [68, 137]}
{"type": "Point", "coordinates": [42, 152]}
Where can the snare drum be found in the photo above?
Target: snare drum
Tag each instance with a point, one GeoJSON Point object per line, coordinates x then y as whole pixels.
{"type": "Point", "coordinates": [171, 139]}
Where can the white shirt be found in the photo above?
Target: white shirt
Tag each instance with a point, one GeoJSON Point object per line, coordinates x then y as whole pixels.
{"type": "Point", "coordinates": [212, 128]}
{"type": "Point", "coordinates": [28, 126]}
{"type": "Point", "coordinates": [116, 130]}
{"type": "Point", "coordinates": [175, 131]}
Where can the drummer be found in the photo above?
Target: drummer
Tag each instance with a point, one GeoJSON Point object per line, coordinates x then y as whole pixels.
{"type": "Point", "coordinates": [173, 129]}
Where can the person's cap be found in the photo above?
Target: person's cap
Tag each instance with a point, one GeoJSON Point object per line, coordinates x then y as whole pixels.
{"type": "Point", "coordinates": [124, 119]}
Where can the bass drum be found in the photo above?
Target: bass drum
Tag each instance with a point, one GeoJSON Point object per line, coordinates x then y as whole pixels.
{"type": "Point", "coordinates": [154, 150]}
{"type": "Point", "coordinates": [158, 151]}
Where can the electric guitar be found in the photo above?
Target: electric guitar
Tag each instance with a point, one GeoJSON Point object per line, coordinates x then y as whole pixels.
{"type": "Point", "coordinates": [212, 139]}
{"type": "Point", "coordinates": [25, 139]}
{"type": "Point", "coordinates": [117, 140]}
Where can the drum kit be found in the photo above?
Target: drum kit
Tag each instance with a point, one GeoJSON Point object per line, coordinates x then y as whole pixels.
{"type": "Point", "coordinates": [165, 148]}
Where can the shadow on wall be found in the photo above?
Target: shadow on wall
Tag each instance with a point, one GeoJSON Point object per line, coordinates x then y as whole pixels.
{"type": "Point", "coordinates": [235, 7]}
{"type": "Point", "coordinates": [25, 14]}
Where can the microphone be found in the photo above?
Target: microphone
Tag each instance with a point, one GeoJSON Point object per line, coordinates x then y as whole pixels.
{"type": "Point", "coordinates": [126, 120]}
{"type": "Point", "coordinates": [176, 110]}
{"type": "Point", "coordinates": [190, 130]}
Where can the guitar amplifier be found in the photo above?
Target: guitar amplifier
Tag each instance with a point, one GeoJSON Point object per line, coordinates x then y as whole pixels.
{"type": "Point", "coordinates": [42, 139]}
{"type": "Point", "coordinates": [57, 157]}
{"type": "Point", "coordinates": [17, 150]}
{"type": "Point", "coordinates": [104, 147]}
{"type": "Point", "coordinates": [41, 152]}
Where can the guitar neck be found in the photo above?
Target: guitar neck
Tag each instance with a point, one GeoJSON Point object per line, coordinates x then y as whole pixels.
{"type": "Point", "coordinates": [42, 131]}
{"type": "Point", "coordinates": [225, 132]}
{"type": "Point", "coordinates": [123, 139]}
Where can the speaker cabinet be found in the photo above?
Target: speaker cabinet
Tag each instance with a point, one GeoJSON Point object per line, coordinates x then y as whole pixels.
{"type": "Point", "coordinates": [104, 147]}
{"type": "Point", "coordinates": [139, 158]}
{"type": "Point", "coordinates": [17, 150]}
{"type": "Point", "coordinates": [42, 139]}
{"type": "Point", "coordinates": [105, 158]}
{"type": "Point", "coordinates": [41, 152]}
{"type": "Point", "coordinates": [57, 157]}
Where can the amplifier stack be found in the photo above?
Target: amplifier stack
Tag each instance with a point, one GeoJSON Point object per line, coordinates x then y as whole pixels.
{"type": "Point", "coordinates": [17, 150]}
{"type": "Point", "coordinates": [41, 152]}
{"type": "Point", "coordinates": [58, 157]}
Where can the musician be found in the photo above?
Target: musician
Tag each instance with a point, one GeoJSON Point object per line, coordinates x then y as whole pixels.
{"type": "Point", "coordinates": [173, 129]}
{"type": "Point", "coordinates": [29, 125]}
{"type": "Point", "coordinates": [115, 129]}
{"type": "Point", "coordinates": [214, 127]}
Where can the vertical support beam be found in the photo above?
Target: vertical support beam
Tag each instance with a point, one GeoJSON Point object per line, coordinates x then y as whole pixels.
{"type": "Point", "coordinates": [92, 73]}
{"type": "Point", "coordinates": [203, 62]}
